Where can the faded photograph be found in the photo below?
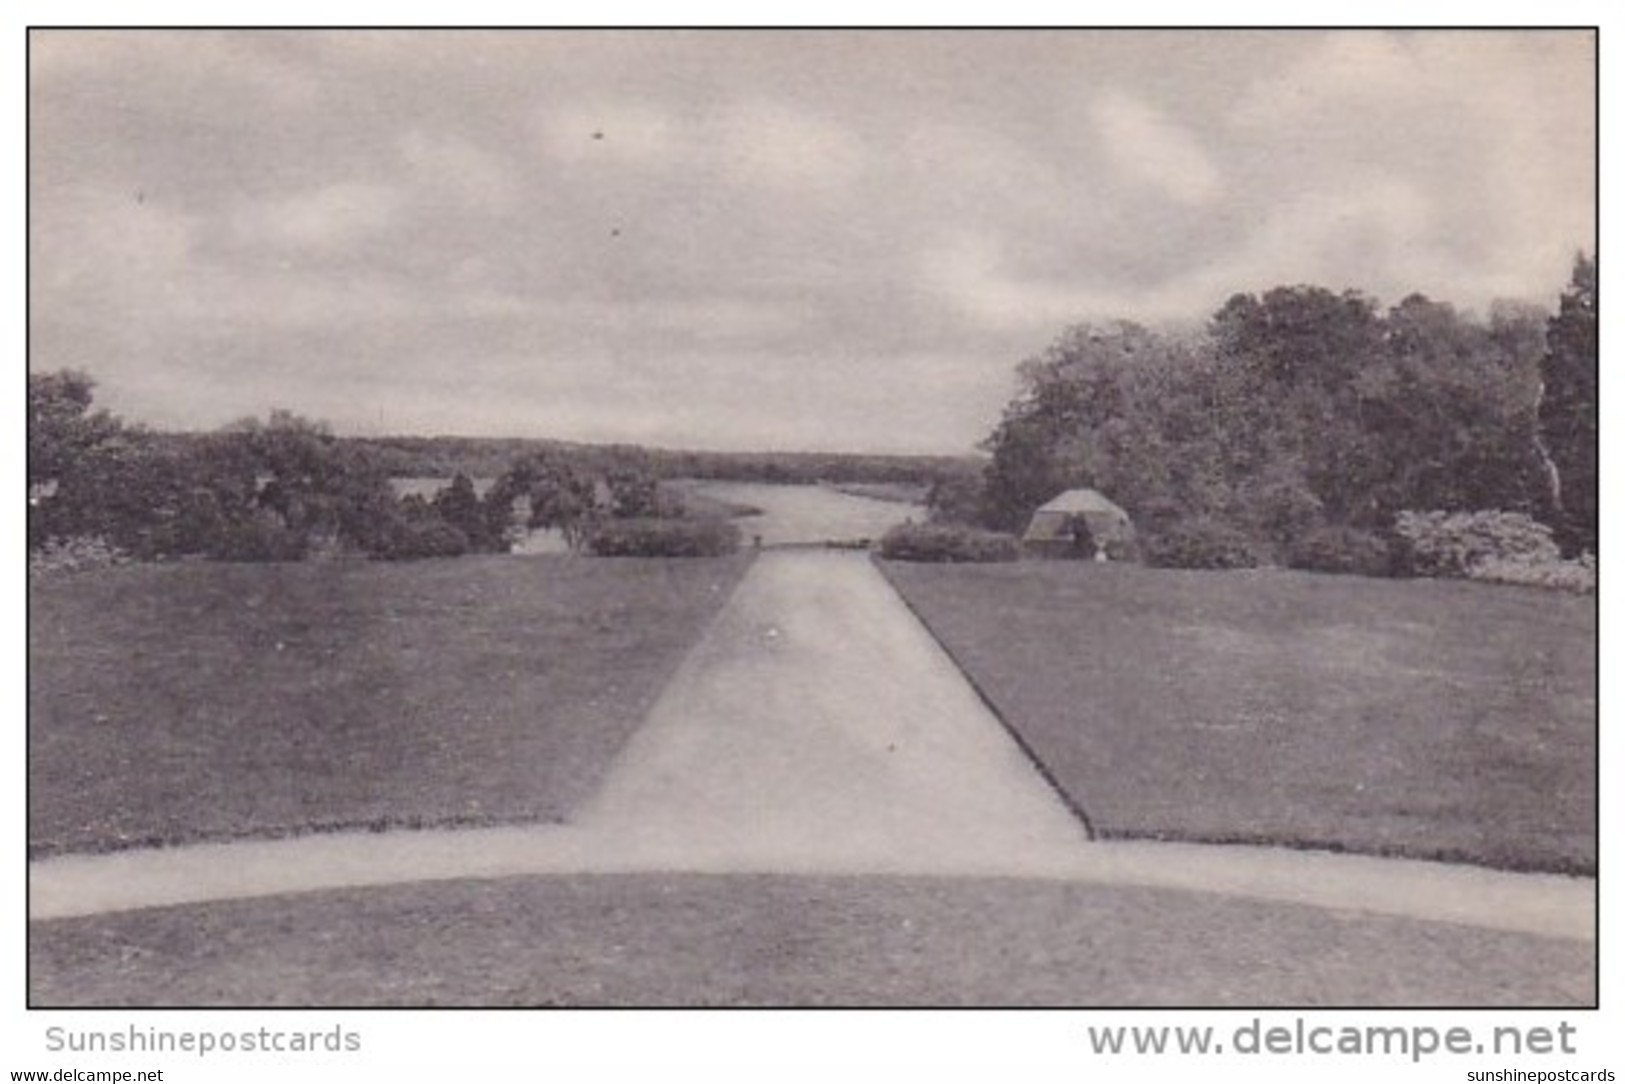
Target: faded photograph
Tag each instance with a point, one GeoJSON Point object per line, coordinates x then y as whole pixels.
{"type": "Point", "coordinates": [747, 518]}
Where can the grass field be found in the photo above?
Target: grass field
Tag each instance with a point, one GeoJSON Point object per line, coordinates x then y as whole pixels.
{"type": "Point", "coordinates": [1421, 718]}
{"type": "Point", "coordinates": [171, 703]}
{"type": "Point", "coordinates": [670, 939]}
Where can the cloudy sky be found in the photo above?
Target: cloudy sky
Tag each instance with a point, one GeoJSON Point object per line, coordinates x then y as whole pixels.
{"type": "Point", "coordinates": [751, 239]}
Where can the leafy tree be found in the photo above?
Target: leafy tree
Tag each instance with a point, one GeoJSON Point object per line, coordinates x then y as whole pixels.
{"type": "Point", "coordinates": [560, 497]}
{"type": "Point", "coordinates": [633, 493]}
{"type": "Point", "coordinates": [62, 427]}
{"type": "Point", "coordinates": [565, 500]}
{"type": "Point", "coordinates": [419, 529]}
{"type": "Point", "coordinates": [1118, 408]}
{"type": "Point", "coordinates": [1447, 414]}
{"type": "Point", "coordinates": [958, 498]}
{"type": "Point", "coordinates": [1293, 355]}
{"type": "Point", "coordinates": [1301, 413]}
{"type": "Point", "coordinates": [1045, 442]}
{"type": "Point", "coordinates": [459, 506]}
{"type": "Point", "coordinates": [324, 493]}
{"type": "Point", "coordinates": [1568, 407]}
{"type": "Point", "coordinates": [96, 476]}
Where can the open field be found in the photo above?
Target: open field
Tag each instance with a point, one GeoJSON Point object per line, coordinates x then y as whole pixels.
{"type": "Point", "coordinates": [171, 703]}
{"type": "Point", "coordinates": [692, 940]}
{"type": "Point", "coordinates": [1422, 718]}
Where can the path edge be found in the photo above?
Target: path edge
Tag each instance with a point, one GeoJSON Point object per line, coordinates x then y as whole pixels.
{"type": "Point", "coordinates": [1072, 805]}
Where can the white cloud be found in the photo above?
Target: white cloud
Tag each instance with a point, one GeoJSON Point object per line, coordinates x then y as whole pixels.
{"type": "Point", "coordinates": [453, 167]}
{"type": "Point", "coordinates": [1149, 146]}
{"type": "Point", "coordinates": [330, 216]}
{"type": "Point", "coordinates": [776, 207]}
{"type": "Point", "coordinates": [1344, 68]}
{"type": "Point", "coordinates": [94, 249]}
{"type": "Point", "coordinates": [768, 143]}
{"type": "Point", "coordinates": [754, 143]}
{"type": "Point", "coordinates": [234, 299]}
{"type": "Point", "coordinates": [1370, 236]}
{"type": "Point", "coordinates": [610, 132]}
{"type": "Point", "coordinates": [1503, 122]}
{"type": "Point", "coordinates": [187, 63]}
{"type": "Point", "coordinates": [712, 319]}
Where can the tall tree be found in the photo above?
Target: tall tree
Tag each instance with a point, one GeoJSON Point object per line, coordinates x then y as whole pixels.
{"type": "Point", "coordinates": [633, 492]}
{"type": "Point", "coordinates": [564, 499]}
{"type": "Point", "coordinates": [1568, 406]}
{"type": "Point", "coordinates": [62, 426]}
{"type": "Point", "coordinates": [459, 505]}
{"type": "Point", "coordinates": [320, 490]}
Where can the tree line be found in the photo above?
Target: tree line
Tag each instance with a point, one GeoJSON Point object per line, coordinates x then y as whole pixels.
{"type": "Point", "coordinates": [286, 488]}
{"type": "Point", "coordinates": [1301, 420]}
{"type": "Point", "coordinates": [487, 457]}
{"type": "Point", "coordinates": [1297, 427]}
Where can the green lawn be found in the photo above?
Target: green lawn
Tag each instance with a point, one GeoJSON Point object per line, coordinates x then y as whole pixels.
{"type": "Point", "coordinates": [1431, 719]}
{"type": "Point", "coordinates": [170, 703]}
{"type": "Point", "coordinates": [685, 939]}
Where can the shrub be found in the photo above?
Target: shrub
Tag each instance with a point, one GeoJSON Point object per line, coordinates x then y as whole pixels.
{"type": "Point", "coordinates": [947, 543]}
{"type": "Point", "coordinates": [1202, 542]}
{"type": "Point", "coordinates": [258, 536]}
{"type": "Point", "coordinates": [411, 539]}
{"type": "Point", "coordinates": [58, 556]}
{"type": "Point", "coordinates": [1453, 543]}
{"type": "Point", "coordinates": [649, 537]}
{"type": "Point", "coordinates": [1347, 550]}
{"type": "Point", "coordinates": [1579, 575]}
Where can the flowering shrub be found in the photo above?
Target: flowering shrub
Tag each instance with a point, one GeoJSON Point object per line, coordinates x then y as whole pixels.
{"type": "Point", "coordinates": [1579, 576]}
{"type": "Point", "coordinates": [1492, 547]}
{"type": "Point", "coordinates": [1452, 543]}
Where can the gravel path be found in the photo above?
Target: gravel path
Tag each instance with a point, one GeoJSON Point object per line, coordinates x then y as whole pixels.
{"type": "Point", "coordinates": [820, 723]}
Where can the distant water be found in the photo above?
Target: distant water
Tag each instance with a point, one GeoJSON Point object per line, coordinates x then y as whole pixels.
{"type": "Point", "coordinates": [809, 514]}
{"type": "Point", "coordinates": [791, 514]}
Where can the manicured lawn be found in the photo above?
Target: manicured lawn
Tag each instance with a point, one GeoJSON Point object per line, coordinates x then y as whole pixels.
{"type": "Point", "coordinates": [170, 703]}
{"type": "Point", "coordinates": [1430, 719]}
{"type": "Point", "coordinates": [668, 939]}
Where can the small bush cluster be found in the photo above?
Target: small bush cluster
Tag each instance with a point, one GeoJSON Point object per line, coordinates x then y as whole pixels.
{"type": "Point", "coordinates": [58, 556]}
{"type": "Point", "coordinates": [1201, 542]}
{"type": "Point", "coordinates": [943, 542]}
{"type": "Point", "coordinates": [650, 537]}
{"type": "Point", "coordinates": [256, 538]}
{"type": "Point", "coordinates": [410, 539]}
{"type": "Point", "coordinates": [1345, 550]}
{"type": "Point", "coordinates": [1492, 547]}
{"type": "Point", "coordinates": [1579, 575]}
{"type": "Point", "coordinates": [1453, 543]}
